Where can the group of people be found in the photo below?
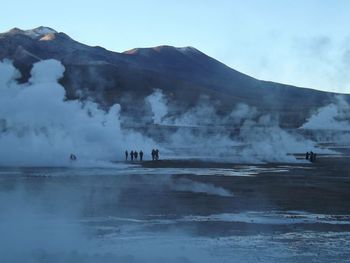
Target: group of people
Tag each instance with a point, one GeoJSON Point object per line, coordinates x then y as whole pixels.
{"type": "Point", "coordinates": [155, 154]}
{"type": "Point", "coordinates": [134, 155]}
{"type": "Point", "coordinates": [311, 156]}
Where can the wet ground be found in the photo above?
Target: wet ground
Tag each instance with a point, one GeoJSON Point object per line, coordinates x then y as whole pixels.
{"type": "Point", "coordinates": [178, 211]}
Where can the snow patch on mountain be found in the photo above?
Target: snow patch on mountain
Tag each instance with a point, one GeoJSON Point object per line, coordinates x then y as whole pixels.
{"type": "Point", "coordinates": [40, 32]}
{"type": "Point", "coordinates": [48, 37]}
{"type": "Point", "coordinates": [188, 50]}
{"type": "Point", "coordinates": [35, 33]}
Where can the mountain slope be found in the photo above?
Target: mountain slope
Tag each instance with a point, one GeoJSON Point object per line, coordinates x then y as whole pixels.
{"type": "Point", "coordinates": [184, 74]}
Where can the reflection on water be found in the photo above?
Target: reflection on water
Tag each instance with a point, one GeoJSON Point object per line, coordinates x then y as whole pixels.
{"type": "Point", "coordinates": [80, 215]}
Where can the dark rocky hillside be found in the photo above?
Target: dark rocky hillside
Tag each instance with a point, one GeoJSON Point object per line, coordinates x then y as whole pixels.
{"type": "Point", "coordinates": [184, 75]}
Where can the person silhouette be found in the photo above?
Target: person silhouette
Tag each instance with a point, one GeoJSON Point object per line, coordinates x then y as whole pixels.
{"type": "Point", "coordinates": [132, 155]}
{"type": "Point", "coordinates": [126, 155]}
{"type": "Point", "coordinates": [311, 157]}
{"type": "Point", "coordinates": [307, 155]}
{"type": "Point", "coordinates": [141, 156]}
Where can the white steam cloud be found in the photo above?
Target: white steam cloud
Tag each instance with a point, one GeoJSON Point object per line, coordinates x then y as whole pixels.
{"type": "Point", "coordinates": [38, 126]}
{"type": "Point", "coordinates": [335, 116]}
{"type": "Point", "coordinates": [158, 102]}
{"type": "Point", "coordinates": [197, 187]}
{"type": "Point", "coordinates": [243, 135]}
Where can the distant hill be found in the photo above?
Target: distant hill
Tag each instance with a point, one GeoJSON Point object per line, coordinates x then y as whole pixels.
{"type": "Point", "coordinates": [184, 75]}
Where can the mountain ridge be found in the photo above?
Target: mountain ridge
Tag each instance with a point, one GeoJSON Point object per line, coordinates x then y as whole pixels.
{"type": "Point", "coordinates": [184, 74]}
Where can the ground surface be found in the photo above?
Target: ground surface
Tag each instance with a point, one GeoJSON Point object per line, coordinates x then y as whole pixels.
{"type": "Point", "coordinates": [178, 211]}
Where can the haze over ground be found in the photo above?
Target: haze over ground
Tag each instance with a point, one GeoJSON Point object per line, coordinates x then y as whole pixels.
{"type": "Point", "coordinates": [233, 182]}
{"type": "Point", "coordinates": [295, 42]}
{"type": "Point", "coordinates": [185, 83]}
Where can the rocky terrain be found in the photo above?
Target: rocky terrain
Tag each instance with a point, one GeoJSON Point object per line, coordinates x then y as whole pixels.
{"type": "Point", "coordinates": [183, 74]}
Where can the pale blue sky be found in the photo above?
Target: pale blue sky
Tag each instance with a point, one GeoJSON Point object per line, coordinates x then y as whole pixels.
{"type": "Point", "coordinates": [300, 42]}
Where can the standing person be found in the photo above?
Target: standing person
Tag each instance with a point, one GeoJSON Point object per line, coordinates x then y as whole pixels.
{"type": "Point", "coordinates": [311, 157]}
{"type": "Point", "coordinates": [157, 154]}
{"type": "Point", "coordinates": [126, 155]}
{"type": "Point", "coordinates": [141, 155]}
{"type": "Point", "coordinates": [307, 155]}
{"type": "Point", "coordinates": [132, 155]}
{"type": "Point", "coordinates": [153, 154]}
{"type": "Point", "coordinates": [135, 154]}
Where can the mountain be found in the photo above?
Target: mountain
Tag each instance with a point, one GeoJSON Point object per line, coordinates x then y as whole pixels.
{"type": "Point", "coordinates": [184, 74]}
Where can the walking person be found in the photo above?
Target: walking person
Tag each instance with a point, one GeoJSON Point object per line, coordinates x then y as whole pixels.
{"type": "Point", "coordinates": [135, 154]}
{"type": "Point", "coordinates": [132, 155]}
{"type": "Point", "coordinates": [126, 155]}
{"type": "Point", "coordinates": [141, 156]}
{"type": "Point", "coordinates": [153, 154]}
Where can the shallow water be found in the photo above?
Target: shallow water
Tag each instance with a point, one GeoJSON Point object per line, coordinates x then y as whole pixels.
{"type": "Point", "coordinates": [122, 169]}
{"type": "Point", "coordinates": [132, 214]}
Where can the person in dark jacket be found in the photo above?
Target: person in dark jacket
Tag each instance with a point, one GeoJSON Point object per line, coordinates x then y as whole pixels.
{"type": "Point", "coordinates": [136, 155]}
{"type": "Point", "coordinates": [311, 157]}
{"type": "Point", "coordinates": [132, 155]}
{"type": "Point", "coordinates": [73, 157]}
{"type": "Point", "coordinates": [153, 154]}
{"type": "Point", "coordinates": [141, 156]}
{"type": "Point", "coordinates": [307, 155]}
{"type": "Point", "coordinates": [126, 155]}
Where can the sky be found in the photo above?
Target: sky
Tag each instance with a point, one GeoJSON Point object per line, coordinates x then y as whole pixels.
{"type": "Point", "coordinates": [299, 42]}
